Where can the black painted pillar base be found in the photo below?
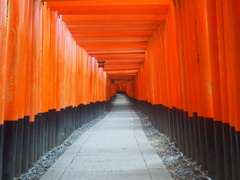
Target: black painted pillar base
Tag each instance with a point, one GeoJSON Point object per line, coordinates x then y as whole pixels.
{"type": "Point", "coordinates": [36, 138]}
{"type": "Point", "coordinates": [178, 128]}
{"type": "Point", "coordinates": [42, 132]}
{"type": "Point", "coordinates": [238, 151]}
{"type": "Point", "coordinates": [186, 132]}
{"type": "Point", "coordinates": [25, 146]}
{"type": "Point", "coordinates": [9, 149]}
{"type": "Point", "coordinates": [54, 128]}
{"type": "Point", "coordinates": [227, 151]}
{"type": "Point", "coordinates": [191, 138]}
{"type": "Point", "coordinates": [174, 124]}
{"type": "Point", "coordinates": [18, 162]}
{"type": "Point", "coordinates": [50, 129]}
{"type": "Point", "coordinates": [61, 126]}
{"type": "Point", "coordinates": [38, 135]}
{"type": "Point", "coordinates": [31, 145]}
{"type": "Point", "coordinates": [182, 131]}
{"type": "Point", "coordinates": [218, 134]}
{"type": "Point", "coordinates": [45, 131]}
{"type": "Point", "coordinates": [211, 151]}
{"type": "Point", "coordinates": [196, 138]}
{"type": "Point", "coordinates": [171, 124]}
{"type": "Point", "coordinates": [214, 145]}
{"type": "Point", "coordinates": [22, 142]}
{"type": "Point", "coordinates": [1, 149]}
{"type": "Point", "coordinates": [57, 129]}
{"type": "Point", "coordinates": [234, 153]}
{"type": "Point", "coordinates": [202, 143]}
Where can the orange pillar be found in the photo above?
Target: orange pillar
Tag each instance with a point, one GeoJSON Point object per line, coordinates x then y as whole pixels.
{"type": "Point", "coordinates": [231, 28]}
{"type": "Point", "coordinates": [12, 88]}
{"type": "Point", "coordinates": [3, 33]}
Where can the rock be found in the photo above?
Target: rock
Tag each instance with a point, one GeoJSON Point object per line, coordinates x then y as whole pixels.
{"type": "Point", "coordinates": [176, 163]}
{"type": "Point", "coordinates": [46, 161]}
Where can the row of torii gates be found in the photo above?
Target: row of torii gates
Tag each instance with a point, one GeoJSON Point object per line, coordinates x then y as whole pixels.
{"type": "Point", "coordinates": [178, 61]}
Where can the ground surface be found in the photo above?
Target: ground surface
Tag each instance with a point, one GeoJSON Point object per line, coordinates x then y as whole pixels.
{"type": "Point", "coordinates": [178, 166]}
{"type": "Point", "coordinates": [43, 164]}
{"type": "Point", "coordinates": [176, 163]}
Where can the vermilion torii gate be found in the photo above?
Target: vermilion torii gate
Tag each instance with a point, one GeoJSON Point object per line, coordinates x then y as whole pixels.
{"type": "Point", "coordinates": [178, 61]}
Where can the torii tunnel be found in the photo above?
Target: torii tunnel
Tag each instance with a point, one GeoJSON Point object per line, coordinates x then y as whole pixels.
{"type": "Point", "coordinates": [177, 60]}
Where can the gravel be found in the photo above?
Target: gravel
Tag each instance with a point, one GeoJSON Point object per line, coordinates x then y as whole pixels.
{"type": "Point", "coordinates": [179, 166]}
{"type": "Point", "coordinates": [46, 161]}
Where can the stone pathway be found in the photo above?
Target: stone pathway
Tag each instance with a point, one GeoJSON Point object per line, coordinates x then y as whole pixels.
{"type": "Point", "coordinates": [116, 148]}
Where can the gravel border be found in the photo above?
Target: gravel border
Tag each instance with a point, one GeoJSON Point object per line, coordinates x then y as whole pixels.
{"type": "Point", "coordinates": [179, 166]}
{"type": "Point", "coordinates": [45, 162]}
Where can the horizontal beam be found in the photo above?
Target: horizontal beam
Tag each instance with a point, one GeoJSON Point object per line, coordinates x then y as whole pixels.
{"type": "Point", "coordinates": [112, 33]}
{"type": "Point", "coordinates": [122, 78]}
{"type": "Point", "coordinates": [115, 17]}
{"type": "Point", "coordinates": [124, 75]}
{"type": "Point", "coordinates": [64, 3]}
{"type": "Point", "coordinates": [112, 10]}
{"type": "Point", "coordinates": [121, 81]}
{"type": "Point", "coordinates": [120, 69]}
{"type": "Point", "coordinates": [111, 39]}
{"type": "Point", "coordinates": [112, 29]}
{"type": "Point", "coordinates": [119, 50]}
{"type": "Point", "coordinates": [119, 65]}
{"type": "Point", "coordinates": [107, 35]}
{"type": "Point", "coordinates": [122, 72]}
{"type": "Point", "coordinates": [116, 55]}
{"type": "Point", "coordinates": [114, 61]}
{"type": "Point", "coordinates": [122, 65]}
{"type": "Point", "coordinates": [106, 8]}
{"type": "Point", "coordinates": [127, 25]}
{"type": "Point", "coordinates": [102, 43]}
{"type": "Point", "coordinates": [114, 52]}
{"type": "Point", "coordinates": [113, 46]}
{"type": "Point", "coordinates": [114, 22]}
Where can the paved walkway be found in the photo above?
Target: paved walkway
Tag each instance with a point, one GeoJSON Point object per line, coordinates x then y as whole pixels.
{"type": "Point", "coordinates": [114, 149]}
